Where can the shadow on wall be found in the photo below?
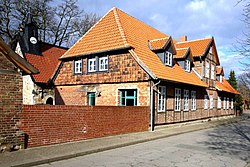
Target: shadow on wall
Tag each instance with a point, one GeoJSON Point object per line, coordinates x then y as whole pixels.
{"type": "Point", "coordinates": [232, 140]}
{"type": "Point", "coordinates": [58, 98]}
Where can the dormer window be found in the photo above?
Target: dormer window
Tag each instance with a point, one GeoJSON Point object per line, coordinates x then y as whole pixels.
{"type": "Point", "coordinates": [220, 78]}
{"type": "Point", "coordinates": [168, 58]}
{"type": "Point", "coordinates": [187, 65]}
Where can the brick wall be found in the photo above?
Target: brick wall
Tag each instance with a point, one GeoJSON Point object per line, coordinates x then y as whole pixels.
{"type": "Point", "coordinates": [45, 124]}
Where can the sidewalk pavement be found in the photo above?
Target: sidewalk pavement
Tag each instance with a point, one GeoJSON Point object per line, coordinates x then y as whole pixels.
{"type": "Point", "coordinates": [47, 154]}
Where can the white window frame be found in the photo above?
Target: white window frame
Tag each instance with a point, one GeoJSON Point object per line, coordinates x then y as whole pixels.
{"type": "Point", "coordinates": [211, 99]}
{"type": "Point", "coordinates": [103, 63]}
{"type": "Point", "coordinates": [212, 71]}
{"type": "Point", "coordinates": [207, 69]}
{"type": "Point", "coordinates": [193, 100]}
{"type": "Point", "coordinates": [186, 99]}
{"type": "Point", "coordinates": [92, 67]}
{"type": "Point", "coordinates": [78, 67]}
{"type": "Point", "coordinates": [219, 102]}
{"type": "Point", "coordinates": [162, 99]}
{"type": "Point", "coordinates": [224, 103]}
{"type": "Point", "coordinates": [177, 101]}
{"type": "Point", "coordinates": [227, 103]}
{"type": "Point", "coordinates": [168, 58]}
{"type": "Point", "coordinates": [205, 102]}
{"type": "Point", "coordinates": [232, 103]}
{"type": "Point", "coordinates": [187, 65]}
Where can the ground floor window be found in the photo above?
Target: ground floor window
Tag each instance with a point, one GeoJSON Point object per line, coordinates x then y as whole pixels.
{"type": "Point", "coordinates": [91, 98]}
{"type": "Point", "coordinates": [177, 99]}
{"type": "Point", "coordinates": [193, 100]}
{"type": "Point", "coordinates": [219, 102]}
{"type": "Point", "coordinates": [186, 100]}
{"type": "Point", "coordinates": [205, 102]}
{"type": "Point", "coordinates": [128, 97]}
{"type": "Point", "coordinates": [227, 103]}
{"type": "Point", "coordinates": [211, 101]}
{"type": "Point", "coordinates": [162, 99]}
{"type": "Point", "coordinates": [224, 103]}
{"type": "Point", "coordinates": [232, 103]}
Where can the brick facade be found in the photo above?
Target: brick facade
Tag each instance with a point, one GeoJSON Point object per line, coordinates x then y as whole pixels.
{"type": "Point", "coordinates": [46, 124]}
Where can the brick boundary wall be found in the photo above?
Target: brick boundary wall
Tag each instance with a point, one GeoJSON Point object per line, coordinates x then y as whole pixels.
{"type": "Point", "coordinates": [46, 124]}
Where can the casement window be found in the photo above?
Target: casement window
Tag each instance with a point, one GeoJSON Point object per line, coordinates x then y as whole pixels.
{"type": "Point", "coordinates": [227, 103]}
{"type": "Point", "coordinates": [92, 65]}
{"type": "Point", "coordinates": [205, 102]}
{"type": "Point", "coordinates": [207, 69]}
{"type": "Point", "coordinates": [78, 67]}
{"type": "Point", "coordinates": [224, 103]}
{"type": "Point", "coordinates": [186, 100]}
{"type": "Point", "coordinates": [212, 71]}
{"type": "Point", "coordinates": [103, 63]}
{"type": "Point", "coordinates": [128, 97]}
{"type": "Point", "coordinates": [168, 58]}
{"type": "Point", "coordinates": [219, 102]}
{"type": "Point", "coordinates": [232, 103]}
{"type": "Point", "coordinates": [187, 65]}
{"type": "Point", "coordinates": [220, 78]}
{"type": "Point", "coordinates": [177, 106]}
{"type": "Point", "coordinates": [162, 99]}
{"type": "Point", "coordinates": [91, 98]}
{"type": "Point", "coordinates": [193, 100]}
{"type": "Point", "coordinates": [211, 98]}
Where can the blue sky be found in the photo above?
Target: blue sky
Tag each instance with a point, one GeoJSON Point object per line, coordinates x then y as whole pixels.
{"type": "Point", "coordinates": [194, 18]}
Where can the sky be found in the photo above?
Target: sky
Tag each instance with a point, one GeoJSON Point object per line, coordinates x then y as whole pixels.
{"type": "Point", "coordinates": [196, 19]}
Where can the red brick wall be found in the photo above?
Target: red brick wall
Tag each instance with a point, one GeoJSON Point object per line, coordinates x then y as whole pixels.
{"type": "Point", "coordinates": [45, 124]}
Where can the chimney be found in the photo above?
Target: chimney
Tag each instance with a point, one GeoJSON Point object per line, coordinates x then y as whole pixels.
{"type": "Point", "coordinates": [183, 38]}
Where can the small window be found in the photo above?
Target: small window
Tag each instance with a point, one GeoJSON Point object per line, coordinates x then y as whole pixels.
{"type": "Point", "coordinates": [103, 63]}
{"type": "Point", "coordinates": [92, 65]}
{"type": "Point", "coordinates": [205, 102]}
{"type": "Point", "coordinates": [193, 100]}
{"type": "Point", "coordinates": [78, 67]}
{"type": "Point", "coordinates": [211, 98]}
{"type": "Point", "coordinates": [168, 58]}
{"type": "Point", "coordinates": [91, 98]}
{"type": "Point", "coordinates": [232, 103]}
{"type": "Point", "coordinates": [177, 99]}
{"type": "Point", "coordinates": [207, 69]}
{"type": "Point", "coordinates": [211, 50]}
{"type": "Point", "coordinates": [186, 100]}
{"type": "Point", "coordinates": [219, 102]}
{"type": "Point", "coordinates": [227, 103]}
{"type": "Point", "coordinates": [128, 97]}
{"type": "Point", "coordinates": [187, 65]}
{"type": "Point", "coordinates": [212, 72]}
{"type": "Point", "coordinates": [162, 99]}
{"type": "Point", "coordinates": [224, 103]}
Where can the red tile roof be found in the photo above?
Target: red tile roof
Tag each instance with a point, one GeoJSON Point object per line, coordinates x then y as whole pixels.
{"type": "Point", "coordinates": [219, 70]}
{"type": "Point", "coordinates": [225, 86]}
{"type": "Point", "coordinates": [156, 44]}
{"type": "Point", "coordinates": [45, 63]}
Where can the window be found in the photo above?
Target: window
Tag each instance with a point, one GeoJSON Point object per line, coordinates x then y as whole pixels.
{"type": "Point", "coordinates": [212, 72]}
{"type": "Point", "coordinates": [186, 98]}
{"type": "Point", "coordinates": [103, 63]}
{"type": "Point", "coordinates": [177, 99]}
{"type": "Point", "coordinates": [219, 102]}
{"type": "Point", "coordinates": [232, 103]}
{"type": "Point", "coordinates": [220, 78]}
{"type": "Point", "coordinates": [193, 100]}
{"type": "Point", "coordinates": [211, 98]}
{"type": "Point", "coordinates": [168, 58]}
{"type": "Point", "coordinates": [227, 103]}
{"type": "Point", "coordinates": [224, 103]}
{"type": "Point", "coordinates": [207, 69]}
{"type": "Point", "coordinates": [91, 98]}
{"type": "Point", "coordinates": [162, 99]}
{"type": "Point", "coordinates": [187, 65]}
{"type": "Point", "coordinates": [78, 66]}
{"type": "Point", "coordinates": [92, 65]}
{"type": "Point", "coordinates": [211, 50]}
{"type": "Point", "coordinates": [205, 102]}
{"type": "Point", "coordinates": [128, 97]}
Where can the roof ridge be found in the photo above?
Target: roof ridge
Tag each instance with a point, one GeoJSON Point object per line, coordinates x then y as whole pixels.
{"type": "Point", "coordinates": [195, 40]}
{"type": "Point", "coordinates": [158, 39]}
{"type": "Point", "coordinates": [117, 19]}
{"type": "Point", "coordinates": [88, 31]}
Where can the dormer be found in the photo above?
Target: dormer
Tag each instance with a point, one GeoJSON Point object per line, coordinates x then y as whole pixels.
{"type": "Point", "coordinates": [184, 58]}
{"type": "Point", "coordinates": [219, 73]}
{"type": "Point", "coordinates": [164, 48]}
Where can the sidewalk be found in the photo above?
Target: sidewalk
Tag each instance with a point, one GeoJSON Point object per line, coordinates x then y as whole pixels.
{"type": "Point", "coordinates": [46, 154]}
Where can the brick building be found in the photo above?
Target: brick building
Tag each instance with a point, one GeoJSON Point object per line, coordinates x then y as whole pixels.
{"type": "Point", "coordinates": [37, 88]}
{"type": "Point", "coordinates": [121, 61]}
{"type": "Point", "coordinates": [12, 67]}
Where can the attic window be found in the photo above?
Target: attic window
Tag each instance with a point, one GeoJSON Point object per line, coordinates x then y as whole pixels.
{"type": "Point", "coordinates": [78, 66]}
{"type": "Point", "coordinates": [187, 65]}
{"type": "Point", "coordinates": [168, 58]}
{"type": "Point", "coordinates": [211, 50]}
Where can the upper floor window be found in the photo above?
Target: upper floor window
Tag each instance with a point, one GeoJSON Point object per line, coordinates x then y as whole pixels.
{"type": "Point", "coordinates": [186, 100]}
{"type": "Point", "coordinates": [193, 100]}
{"type": "Point", "coordinates": [128, 97]}
{"type": "Point", "coordinates": [212, 71]}
{"type": "Point", "coordinates": [177, 99]}
{"type": "Point", "coordinates": [211, 50]}
{"type": "Point", "coordinates": [78, 66]}
{"type": "Point", "coordinates": [187, 65]}
{"type": "Point", "coordinates": [103, 63]}
{"type": "Point", "coordinates": [207, 69]}
{"type": "Point", "coordinates": [162, 99]}
{"type": "Point", "coordinates": [92, 65]}
{"type": "Point", "coordinates": [168, 58]}
{"type": "Point", "coordinates": [205, 102]}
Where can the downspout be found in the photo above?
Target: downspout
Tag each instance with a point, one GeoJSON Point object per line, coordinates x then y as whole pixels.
{"type": "Point", "coordinates": [152, 105]}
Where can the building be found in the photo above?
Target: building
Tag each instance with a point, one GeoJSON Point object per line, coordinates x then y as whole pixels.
{"type": "Point", "coordinates": [12, 67]}
{"type": "Point", "coordinates": [37, 88]}
{"type": "Point", "coordinates": [122, 61]}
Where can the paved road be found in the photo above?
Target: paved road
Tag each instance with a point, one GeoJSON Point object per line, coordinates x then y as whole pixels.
{"type": "Point", "coordinates": [227, 146]}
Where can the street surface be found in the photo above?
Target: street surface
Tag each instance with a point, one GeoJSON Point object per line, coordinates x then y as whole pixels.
{"type": "Point", "coordinates": [224, 146]}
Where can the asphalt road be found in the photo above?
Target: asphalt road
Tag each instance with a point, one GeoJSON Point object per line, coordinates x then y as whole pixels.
{"type": "Point", "coordinates": [227, 145]}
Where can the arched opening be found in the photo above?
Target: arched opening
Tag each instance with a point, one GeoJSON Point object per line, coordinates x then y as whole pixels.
{"type": "Point", "coordinates": [49, 101]}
